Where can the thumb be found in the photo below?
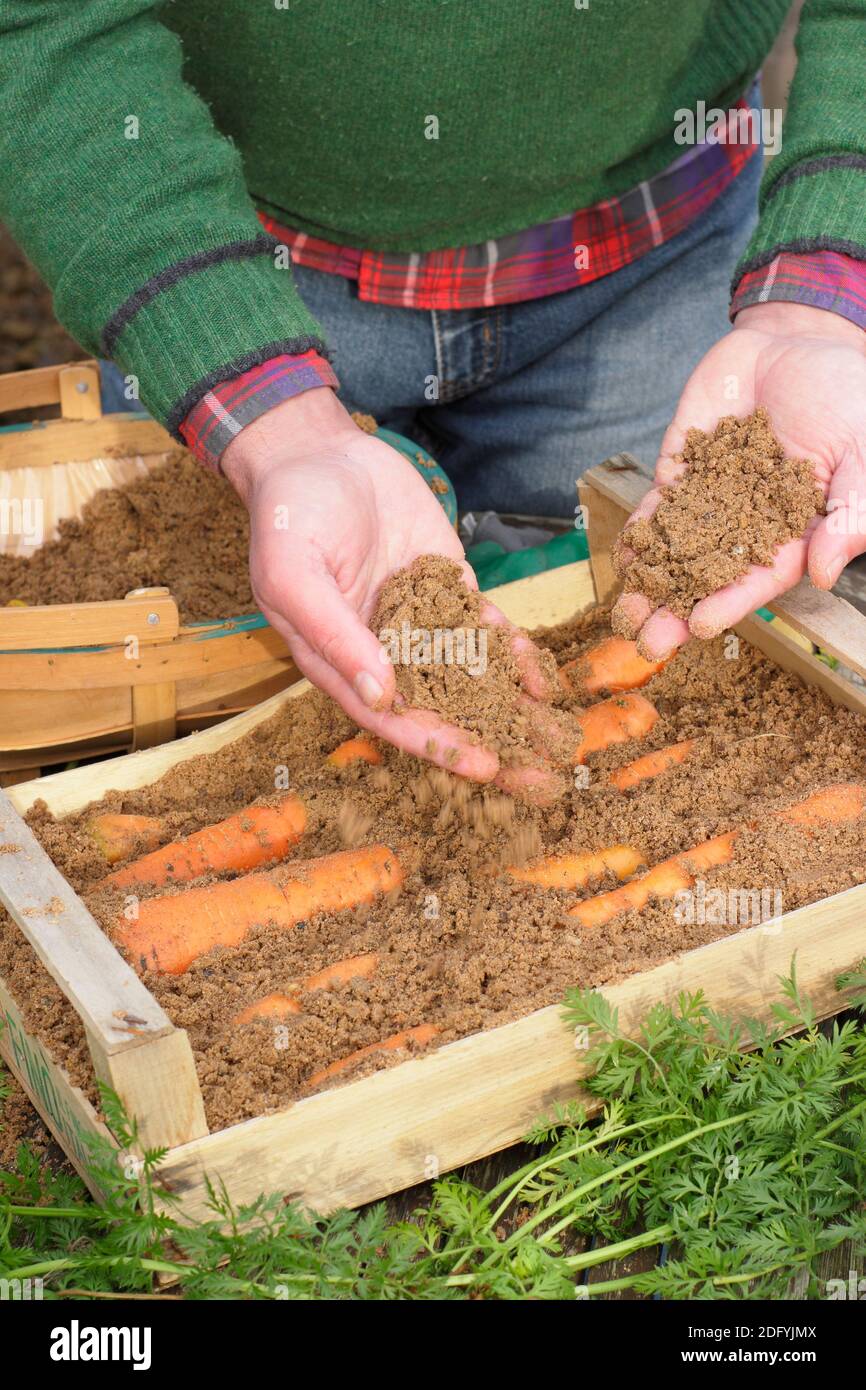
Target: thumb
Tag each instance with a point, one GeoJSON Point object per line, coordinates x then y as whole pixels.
{"type": "Point", "coordinates": [331, 628]}
{"type": "Point", "coordinates": [841, 534]}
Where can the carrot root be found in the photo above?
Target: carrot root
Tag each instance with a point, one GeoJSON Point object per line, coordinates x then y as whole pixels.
{"type": "Point", "coordinates": [613, 721]}
{"type": "Point", "coordinates": [651, 765]}
{"type": "Point", "coordinates": [663, 881]}
{"type": "Point", "coordinates": [280, 1005]}
{"type": "Point", "coordinates": [576, 870]}
{"type": "Point", "coordinates": [354, 750]}
{"type": "Point", "coordinates": [172, 931]}
{"type": "Point", "coordinates": [613, 666]}
{"type": "Point", "coordinates": [252, 837]}
{"type": "Point", "coordinates": [117, 836]}
{"type": "Point", "coordinates": [834, 805]}
{"type": "Point", "coordinates": [424, 1033]}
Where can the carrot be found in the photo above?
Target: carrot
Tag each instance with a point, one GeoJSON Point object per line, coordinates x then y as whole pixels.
{"type": "Point", "coordinates": [614, 665]}
{"type": "Point", "coordinates": [279, 1005]}
{"type": "Point", "coordinates": [172, 931]}
{"type": "Point", "coordinates": [613, 721]}
{"type": "Point", "coordinates": [116, 836]}
{"type": "Point", "coordinates": [358, 749]}
{"type": "Point", "coordinates": [421, 1035]}
{"type": "Point", "coordinates": [833, 805]}
{"type": "Point", "coordinates": [651, 765]}
{"type": "Point", "coordinates": [245, 840]}
{"type": "Point", "coordinates": [574, 870]}
{"type": "Point", "coordinates": [270, 1006]}
{"type": "Point", "coordinates": [662, 881]}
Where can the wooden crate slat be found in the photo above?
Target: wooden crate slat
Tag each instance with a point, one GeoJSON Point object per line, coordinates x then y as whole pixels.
{"type": "Point", "coordinates": [112, 1002]}
{"type": "Point", "coordinates": [86, 624]}
{"type": "Point", "coordinates": [182, 658]}
{"type": "Point", "coordinates": [76, 441]}
{"type": "Point", "coordinates": [829, 621]}
{"type": "Point", "coordinates": [30, 389]}
{"type": "Point", "coordinates": [65, 1109]}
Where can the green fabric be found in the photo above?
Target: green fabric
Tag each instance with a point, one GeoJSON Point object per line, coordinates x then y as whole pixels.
{"type": "Point", "coordinates": [804, 205]}
{"type": "Point", "coordinates": [318, 111]}
{"type": "Point", "coordinates": [493, 565]}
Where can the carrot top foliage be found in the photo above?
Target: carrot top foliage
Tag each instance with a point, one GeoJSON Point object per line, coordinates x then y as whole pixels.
{"type": "Point", "coordinates": [746, 1166]}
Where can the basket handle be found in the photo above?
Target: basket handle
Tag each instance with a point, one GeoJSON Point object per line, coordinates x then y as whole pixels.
{"type": "Point", "coordinates": [74, 386]}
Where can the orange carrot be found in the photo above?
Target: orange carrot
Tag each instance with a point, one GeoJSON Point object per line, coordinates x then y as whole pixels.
{"type": "Point", "coordinates": [279, 1005]}
{"type": "Point", "coordinates": [663, 881]}
{"type": "Point", "coordinates": [421, 1035]}
{"type": "Point", "coordinates": [116, 836]}
{"type": "Point", "coordinates": [257, 835]}
{"type": "Point", "coordinates": [358, 749]}
{"type": "Point", "coordinates": [614, 665]}
{"type": "Point", "coordinates": [613, 721]}
{"type": "Point", "coordinates": [833, 805]}
{"type": "Point", "coordinates": [575, 870]}
{"type": "Point", "coordinates": [170, 932]}
{"type": "Point", "coordinates": [651, 765]}
{"type": "Point", "coordinates": [274, 1005]}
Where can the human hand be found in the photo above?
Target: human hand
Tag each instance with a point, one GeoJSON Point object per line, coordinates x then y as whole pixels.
{"type": "Point", "coordinates": [807, 367]}
{"type": "Point", "coordinates": [334, 512]}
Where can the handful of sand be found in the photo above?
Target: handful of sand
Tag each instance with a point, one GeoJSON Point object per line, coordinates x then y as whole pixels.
{"type": "Point", "coordinates": [738, 502]}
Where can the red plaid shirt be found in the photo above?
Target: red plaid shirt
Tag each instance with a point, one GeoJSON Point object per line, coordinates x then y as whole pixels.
{"type": "Point", "coordinates": [557, 255]}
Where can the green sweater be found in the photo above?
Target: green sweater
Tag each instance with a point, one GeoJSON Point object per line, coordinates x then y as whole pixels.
{"type": "Point", "coordinates": [137, 138]}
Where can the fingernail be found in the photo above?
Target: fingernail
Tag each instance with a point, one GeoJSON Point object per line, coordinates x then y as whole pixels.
{"type": "Point", "coordinates": [369, 689]}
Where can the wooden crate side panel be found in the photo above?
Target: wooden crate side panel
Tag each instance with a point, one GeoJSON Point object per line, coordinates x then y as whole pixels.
{"type": "Point", "coordinates": [87, 624]}
{"type": "Point", "coordinates": [93, 717]}
{"type": "Point", "coordinates": [66, 716]}
{"type": "Point", "coordinates": [64, 1108]}
{"type": "Point", "coordinates": [470, 1098]}
{"type": "Point", "coordinates": [77, 441]}
{"type": "Point", "coordinates": [232, 693]}
{"type": "Point", "coordinates": [158, 1085]}
{"type": "Point", "coordinates": [180, 659]}
{"type": "Point", "coordinates": [105, 992]}
{"type": "Point", "coordinates": [608, 494]}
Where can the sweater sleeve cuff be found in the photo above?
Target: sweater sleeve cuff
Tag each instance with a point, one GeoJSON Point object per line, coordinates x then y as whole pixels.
{"type": "Point", "coordinates": [823, 279]}
{"type": "Point", "coordinates": [815, 206]}
{"type": "Point", "coordinates": [229, 406]}
{"type": "Point", "coordinates": [209, 316]}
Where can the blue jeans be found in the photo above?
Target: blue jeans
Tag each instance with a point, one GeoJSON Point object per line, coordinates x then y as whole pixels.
{"type": "Point", "coordinates": [530, 395]}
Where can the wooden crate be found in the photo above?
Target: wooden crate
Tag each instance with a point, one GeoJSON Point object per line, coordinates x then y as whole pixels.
{"type": "Point", "coordinates": [469, 1098]}
{"type": "Point", "coordinates": [92, 678]}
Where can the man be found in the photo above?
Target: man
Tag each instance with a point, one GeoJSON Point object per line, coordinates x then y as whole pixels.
{"type": "Point", "coordinates": [499, 231]}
